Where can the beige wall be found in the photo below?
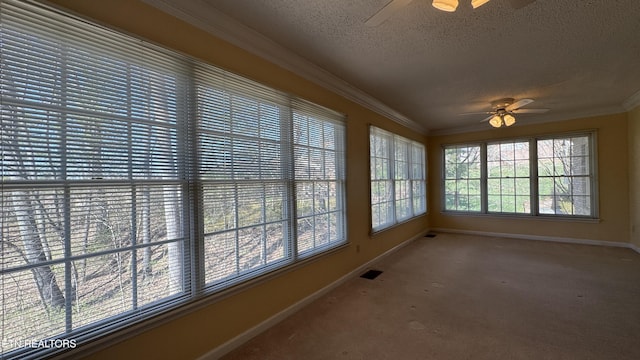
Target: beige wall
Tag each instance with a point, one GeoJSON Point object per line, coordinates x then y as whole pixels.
{"type": "Point", "coordinates": [198, 332]}
{"type": "Point", "coordinates": [612, 175]}
{"type": "Point", "coordinates": [634, 175]}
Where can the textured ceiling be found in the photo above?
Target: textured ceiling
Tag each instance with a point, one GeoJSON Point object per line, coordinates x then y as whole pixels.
{"type": "Point", "coordinates": [575, 57]}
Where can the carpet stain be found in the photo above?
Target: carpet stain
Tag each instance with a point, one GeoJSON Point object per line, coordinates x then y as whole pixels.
{"type": "Point", "coordinates": [416, 325]}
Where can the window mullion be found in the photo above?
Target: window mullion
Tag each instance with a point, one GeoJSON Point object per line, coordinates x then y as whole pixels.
{"type": "Point", "coordinates": [534, 183]}
{"type": "Point", "coordinates": [192, 187]}
{"type": "Point", "coordinates": [288, 171]}
{"type": "Point", "coordinates": [66, 192]}
{"type": "Point", "coordinates": [483, 179]}
{"type": "Point", "coordinates": [392, 177]}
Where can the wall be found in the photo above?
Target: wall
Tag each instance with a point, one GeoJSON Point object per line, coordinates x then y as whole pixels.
{"type": "Point", "coordinates": [634, 175]}
{"type": "Point", "coordinates": [198, 332]}
{"type": "Point", "coordinates": [613, 183]}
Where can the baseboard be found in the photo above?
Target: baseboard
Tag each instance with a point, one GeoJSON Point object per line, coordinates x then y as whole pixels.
{"type": "Point", "coordinates": [539, 238]}
{"type": "Point", "coordinates": [273, 320]}
{"type": "Point", "coordinates": [635, 248]}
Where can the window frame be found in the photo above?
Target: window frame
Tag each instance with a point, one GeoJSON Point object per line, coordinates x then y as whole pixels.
{"type": "Point", "coordinates": [384, 171]}
{"type": "Point", "coordinates": [534, 177]}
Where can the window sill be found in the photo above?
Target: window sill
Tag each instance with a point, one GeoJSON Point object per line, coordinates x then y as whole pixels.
{"type": "Point", "coordinates": [555, 218]}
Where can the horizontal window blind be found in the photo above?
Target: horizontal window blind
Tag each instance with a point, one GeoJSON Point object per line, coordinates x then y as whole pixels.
{"type": "Point", "coordinates": [398, 178]}
{"type": "Point", "coordinates": [243, 131]}
{"type": "Point", "coordinates": [271, 171]}
{"type": "Point", "coordinates": [92, 191]}
{"type": "Point", "coordinates": [318, 157]}
{"type": "Point", "coordinates": [124, 163]}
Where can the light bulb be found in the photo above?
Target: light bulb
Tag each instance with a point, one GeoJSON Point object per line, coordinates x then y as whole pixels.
{"type": "Point", "coordinates": [496, 121]}
{"type": "Point", "coordinates": [478, 3]}
{"type": "Point", "coordinates": [445, 5]}
{"type": "Point", "coordinates": [509, 120]}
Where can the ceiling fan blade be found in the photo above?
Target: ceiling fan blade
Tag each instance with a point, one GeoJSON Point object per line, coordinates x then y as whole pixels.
{"type": "Point", "coordinates": [517, 4]}
{"type": "Point", "coordinates": [529, 111]}
{"type": "Point", "coordinates": [518, 104]}
{"type": "Point", "coordinates": [487, 118]}
{"type": "Point", "coordinates": [386, 12]}
{"type": "Point", "coordinates": [477, 113]}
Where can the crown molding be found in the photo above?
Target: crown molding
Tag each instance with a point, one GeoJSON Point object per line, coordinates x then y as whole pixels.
{"type": "Point", "coordinates": [632, 102]}
{"type": "Point", "coordinates": [205, 17]}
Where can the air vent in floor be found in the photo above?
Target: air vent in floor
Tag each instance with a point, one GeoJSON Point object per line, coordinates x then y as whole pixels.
{"type": "Point", "coordinates": [371, 274]}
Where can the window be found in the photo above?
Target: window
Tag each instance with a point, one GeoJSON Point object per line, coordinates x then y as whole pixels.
{"type": "Point", "coordinates": [542, 176]}
{"type": "Point", "coordinates": [462, 178]}
{"type": "Point", "coordinates": [508, 180]}
{"type": "Point", "coordinates": [564, 176]}
{"type": "Point", "coordinates": [398, 187]}
{"type": "Point", "coordinates": [134, 180]}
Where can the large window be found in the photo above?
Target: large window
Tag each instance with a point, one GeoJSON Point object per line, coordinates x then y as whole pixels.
{"type": "Point", "coordinates": [135, 180]}
{"type": "Point", "coordinates": [398, 187]}
{"type": "Point", "coordinates": [541, 176]}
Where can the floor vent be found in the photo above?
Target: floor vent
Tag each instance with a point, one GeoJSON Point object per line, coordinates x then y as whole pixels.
{"type": "Point", "coordinates": [430, 235]}
{"type": "Point", "coordinates": [371, 274]}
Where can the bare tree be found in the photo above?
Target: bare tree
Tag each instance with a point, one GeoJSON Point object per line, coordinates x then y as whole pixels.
{"type": "Point", "coordinates": [50, 292]}
{"type": "Point", "coordinates": [173, 220]}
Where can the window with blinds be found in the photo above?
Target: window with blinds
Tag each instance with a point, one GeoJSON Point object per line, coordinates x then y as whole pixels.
{"type": "Point", "coordinates": [398, 179]}
{"type": "Point", "coordinates": [123, 164]}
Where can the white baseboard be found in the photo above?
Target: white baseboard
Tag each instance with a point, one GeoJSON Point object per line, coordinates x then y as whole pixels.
{"type": "Point", "coordinates": [273, 320]}
{"type": "Point", "coordinates": [540, 238]}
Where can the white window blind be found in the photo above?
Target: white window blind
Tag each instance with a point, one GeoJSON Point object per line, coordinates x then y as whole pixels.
{"type": "Point", "coordinates": [272, 176]}
{"type": "Point", "coordinates": [318, 157]}
{"type": "Point", "coordinates": [92, 206]}
{"type": "Point", "coordinates": [124, 163]}
{"type": "Point", "coordinates": [245, 175]}
{"type": "Point", "coordinates": [398, 181]}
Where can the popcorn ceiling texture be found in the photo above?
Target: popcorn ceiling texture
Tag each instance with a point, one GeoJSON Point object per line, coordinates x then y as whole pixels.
{"type": "Point", "coordinates": [578, 58]}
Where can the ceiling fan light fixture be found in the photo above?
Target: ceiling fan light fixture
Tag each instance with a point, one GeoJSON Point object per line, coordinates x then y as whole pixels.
{"type": "Point", "coordinates": [445, 5]}
{"type": "Point", "coordinates": [509, 119]}
{"type": "Point", "coordinates": [477, 3]}
{"type": "Point", "coordinates": [496, 121]}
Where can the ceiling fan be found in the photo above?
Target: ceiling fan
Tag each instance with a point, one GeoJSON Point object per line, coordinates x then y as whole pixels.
{"type": "Point", "coordinates": [503, 111]}
{"type": "Point", "coordinates": [446, 5]}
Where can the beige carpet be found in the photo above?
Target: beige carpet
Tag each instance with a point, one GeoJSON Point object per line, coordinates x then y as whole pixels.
{"type": "Point", "coordinates": [470, 297]}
